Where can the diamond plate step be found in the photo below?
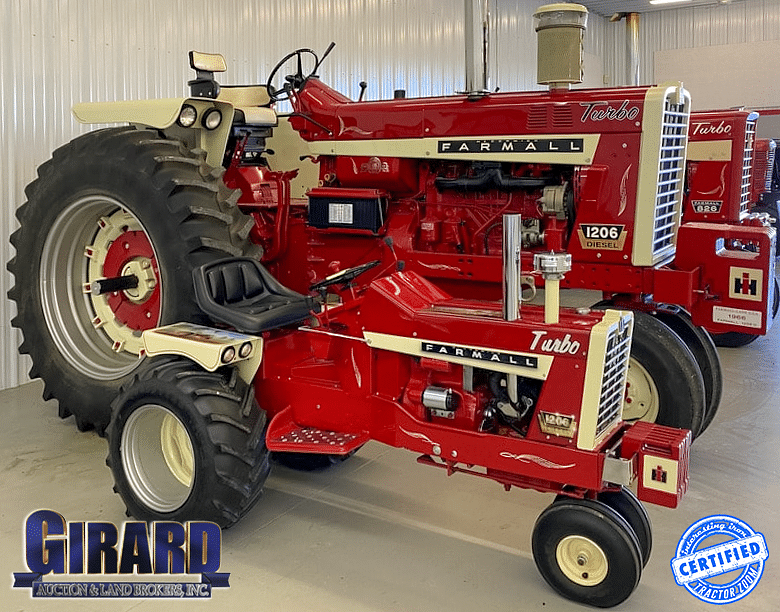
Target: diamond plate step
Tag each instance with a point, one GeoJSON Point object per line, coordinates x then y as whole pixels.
{"type": "Point", "coordinates": [293, 438]}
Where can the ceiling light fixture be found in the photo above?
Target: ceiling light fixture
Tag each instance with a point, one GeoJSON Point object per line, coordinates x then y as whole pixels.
{"type": "Point", "coordinates": [668, 1]}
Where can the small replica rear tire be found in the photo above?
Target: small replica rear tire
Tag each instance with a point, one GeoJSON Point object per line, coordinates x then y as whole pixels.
{"type": "Point", "coordinates": [309, 462]}
{"type": "Point", "coordinates": [587, 552]}
{"type": "Point", "coordinates": [186, 444]}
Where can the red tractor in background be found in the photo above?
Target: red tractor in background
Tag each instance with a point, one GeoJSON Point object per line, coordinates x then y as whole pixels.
{"type": "Point", "coordinates": [728, 170]}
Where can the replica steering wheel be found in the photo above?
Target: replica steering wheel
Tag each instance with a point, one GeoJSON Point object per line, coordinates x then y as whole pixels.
{"type": "Point", "coordinates": [293, 82]}
{"type": "Point", "coordinates": [344, 276]}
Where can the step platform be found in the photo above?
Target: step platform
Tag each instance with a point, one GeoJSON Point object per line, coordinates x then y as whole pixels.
{"type": "Point", "coordinates": [292, 438]}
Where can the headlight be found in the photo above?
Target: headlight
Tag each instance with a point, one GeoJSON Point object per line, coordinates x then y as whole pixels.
{"type": "Point", "coordinates": [228, 355]}
{"type": "Point", "coordinates": [187, 116]}
{"type": "Point", "coordinates": [212, 119]}
{"type": "Point", "coordinates": [245, 350]}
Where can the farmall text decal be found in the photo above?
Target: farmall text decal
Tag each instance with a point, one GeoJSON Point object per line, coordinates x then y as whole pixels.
{"type": "Point", "coordinates": [514, 145]}
{"type": "Point", "coordinates": [131, 555]}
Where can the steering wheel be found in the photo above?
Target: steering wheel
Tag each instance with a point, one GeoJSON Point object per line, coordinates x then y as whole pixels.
{"type": "Point", "coordinates": [293, 82]}
{"type": "Point", "coordinates": [344, 276]}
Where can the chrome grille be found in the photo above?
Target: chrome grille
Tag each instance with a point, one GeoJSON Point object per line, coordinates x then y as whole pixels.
{"type": "Point", "coordinates": [671, 168]}
{"type": "Point", "coordinates": [747, 167]}
{"type": "Point", "coordinates": [613, 380]}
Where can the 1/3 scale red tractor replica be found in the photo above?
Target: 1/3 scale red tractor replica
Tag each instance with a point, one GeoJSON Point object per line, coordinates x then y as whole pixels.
{"type": "Point", "coordinates": [531, 399]}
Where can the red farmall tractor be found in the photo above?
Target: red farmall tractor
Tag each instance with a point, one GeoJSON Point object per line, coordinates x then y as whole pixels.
{"type": "Point", "coordinates": [166, 266]}
{"type": "Point", "coordinates": [724, 159]}
{"type": "Point", "coordinates": [119, 218]}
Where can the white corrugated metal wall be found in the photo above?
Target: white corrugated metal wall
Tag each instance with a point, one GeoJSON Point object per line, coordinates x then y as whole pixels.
{"type": "Point", "coordinates": [57, 52]}
{"type": "Point", "coordinates": [699, 26]}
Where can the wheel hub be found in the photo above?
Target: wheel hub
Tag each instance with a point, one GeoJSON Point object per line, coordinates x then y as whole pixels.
{"type": "Point", "coordinates": [79, 242]}
{"type": "Point", "coordinates": [122, 248]}
{"type": "Point", "coordinates": [641, 400]}
{"type": "Point", "coordinates": [158, 458]}
{"type": "Point", "coordinates": [141, 268]}
{"type": "Point", "coordinates": [581, 560]}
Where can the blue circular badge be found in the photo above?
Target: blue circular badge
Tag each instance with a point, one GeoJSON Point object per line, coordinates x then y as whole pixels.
{"type": "Point", "coordinates": [725, 570]}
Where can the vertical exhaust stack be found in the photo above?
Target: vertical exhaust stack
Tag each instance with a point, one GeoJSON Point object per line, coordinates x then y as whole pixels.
{"type": "Point", "coordinates": [560, 29]}
{"type": "Point", "coordinates": [632, 47]}
{"type": "Point", "coordinates": [512, 254]}
{"type": "Point", "coordinates": [477, 28]}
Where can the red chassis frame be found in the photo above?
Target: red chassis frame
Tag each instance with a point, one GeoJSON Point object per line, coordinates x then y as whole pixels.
{"type": "Point", "coordinates": [359, 374]}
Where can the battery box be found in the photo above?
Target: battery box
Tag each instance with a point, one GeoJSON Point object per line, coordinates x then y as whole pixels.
{"type": "Point", "coordinates": [336, 208]}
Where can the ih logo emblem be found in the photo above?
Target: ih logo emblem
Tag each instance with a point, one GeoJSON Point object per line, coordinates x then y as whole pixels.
{"type": "Point", "coordinates": [746, 284]}
{"type": "Point", "coordinates": [659, 474]}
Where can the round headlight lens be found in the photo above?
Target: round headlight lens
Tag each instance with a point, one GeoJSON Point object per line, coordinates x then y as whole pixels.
{"type": "Point", "coordinates": [245, 350]}
{"type": "Point", "coordinates": [187, 116]}
{"type": "Point", "coordinates": [228, 355]}
{"type": "Point", "coordinates": [212, 119]}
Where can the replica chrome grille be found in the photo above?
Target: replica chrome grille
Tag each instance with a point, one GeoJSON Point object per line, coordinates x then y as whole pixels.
{"type": "Point", "coordinates": [601, 412]}
{"type": "Point", "coordinates": [613, 379]}
{"type": "Point", "coordinates": [747, 166]}
{"type": "Point", "coordinates": [671, 172]}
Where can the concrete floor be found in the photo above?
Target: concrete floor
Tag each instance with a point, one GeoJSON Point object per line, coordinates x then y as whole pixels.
{"type": "Point", "coordinates": [381, 532]}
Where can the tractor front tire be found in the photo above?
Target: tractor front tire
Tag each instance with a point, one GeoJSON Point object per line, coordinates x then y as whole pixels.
{"type": "Point", "coordinates": [115, 203]}
{"type": "Point", "coordinates": [664, 383]}
{"type": "Point", "coordinates": [587, 552]}
{"type": "Point", "coordinates": [186, 444]}
{"type": "Point", "coordinates": [701, 344]}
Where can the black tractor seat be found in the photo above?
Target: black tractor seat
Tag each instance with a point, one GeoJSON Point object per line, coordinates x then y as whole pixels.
{"type": "Point", "coordinates": [240, 292]}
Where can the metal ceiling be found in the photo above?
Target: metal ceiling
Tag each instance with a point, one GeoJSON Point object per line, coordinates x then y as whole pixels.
{"type": "Point", "coordinates": [607, 8]}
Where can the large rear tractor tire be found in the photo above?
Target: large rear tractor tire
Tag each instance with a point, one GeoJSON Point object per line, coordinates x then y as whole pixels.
{"type": "Point", "coordinates": [120, 204]}
{"type": "Point", "coordinates": [186, 444]}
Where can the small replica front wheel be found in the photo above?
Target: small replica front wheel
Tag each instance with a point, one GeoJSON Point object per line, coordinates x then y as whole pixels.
{"type": "Point", "coordinates": [187, 444]}
{"type": "Point", "coordinates": [587, 552]}
{"type": "Point", "coordinates": [626, 504]}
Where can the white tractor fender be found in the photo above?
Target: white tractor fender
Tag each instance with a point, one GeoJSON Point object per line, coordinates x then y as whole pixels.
{"type": "Point", "coordinates": [162, 114]}
{"type": "Point", "coordinates": [208, 347]}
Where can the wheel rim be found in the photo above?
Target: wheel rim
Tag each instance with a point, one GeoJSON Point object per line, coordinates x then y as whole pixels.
{"type": "Point", "coordinates": [581, 560]}
{"type": "Point", "coordinates": [641, 400]}
{"type": "Point", "coordinates": [98, 335]}
{"type": "Point", "coordinates": [158, 458]}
